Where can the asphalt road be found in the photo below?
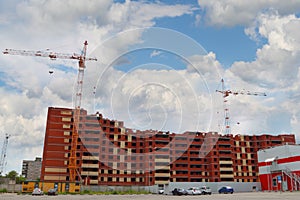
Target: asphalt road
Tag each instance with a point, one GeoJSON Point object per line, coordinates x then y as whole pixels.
{"type": "Point", "coordinates": [235, 196]}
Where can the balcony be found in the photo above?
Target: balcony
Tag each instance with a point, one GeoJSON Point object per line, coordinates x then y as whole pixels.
{"type": "Point", "coordinates": [166, 160]}
{"type": "Point", "coordinates": [162, 167]}
{"type": "Point", "coordinates": [162, 174]}
{"type": "Point", "coordinates": [226, 176]}
{"type": "Point", "coordinates": [161, 182]}
{"type": "Point", "coordinates": [86, 173]}
{"type": "Point", "coordinates": [90, 158]}
{"type": "Point", "coordinates": [226, 162]}
{"type": "Point", "coordinates": [226, 169]}
{"type": "Point", "coordinates": [94, 182]}
{"type": "Point", "coordinates": [90, 166]}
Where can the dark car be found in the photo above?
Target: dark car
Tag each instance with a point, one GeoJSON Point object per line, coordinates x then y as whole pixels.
{"type": "Point", "coordinates": [225, 190]}
{"type": "Point", "coordinates": [52, 192]}
{"type": "Point", "coordinates": [179, 191]}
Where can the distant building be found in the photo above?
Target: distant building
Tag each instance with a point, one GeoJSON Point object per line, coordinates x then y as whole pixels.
{"type": "Point", "coordinates": [107, 153]}
{"type": "Point", "coordinates": [31, 169]}
{"type": "Point", "coordinates": [279, 168]}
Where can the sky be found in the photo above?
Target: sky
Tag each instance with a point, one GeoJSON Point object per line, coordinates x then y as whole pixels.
{"type": "Point", "coordinates": [159, 64]}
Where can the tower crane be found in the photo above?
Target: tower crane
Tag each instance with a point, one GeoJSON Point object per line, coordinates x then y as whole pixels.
{"type": "Point", "coordinates": [78, 93]}
{"type": "Point", "coordinates": [226, 93]}
{"type": "Point", "coordinates": [3, 153]}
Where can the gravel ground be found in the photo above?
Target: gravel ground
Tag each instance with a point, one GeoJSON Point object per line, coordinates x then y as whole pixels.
{"type": "Point", "coordinates": [238, 196]}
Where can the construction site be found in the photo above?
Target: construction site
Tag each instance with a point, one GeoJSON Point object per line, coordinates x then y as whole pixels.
{"type": "Point", "coordinates": [89, 151]}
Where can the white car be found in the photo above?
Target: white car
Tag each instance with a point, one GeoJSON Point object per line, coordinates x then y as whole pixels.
{"type": "Point", "coordinates": [205, 190]}
{"type": "Point", "coordinates": [194, 191]}
{"type": "Point", "coordinates": [37, 192]}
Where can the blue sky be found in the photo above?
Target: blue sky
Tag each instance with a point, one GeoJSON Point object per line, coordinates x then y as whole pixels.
{"type": "Point", "coordinates": [159, 63]}
{"type": "Point", "coordinates": [230, 44]}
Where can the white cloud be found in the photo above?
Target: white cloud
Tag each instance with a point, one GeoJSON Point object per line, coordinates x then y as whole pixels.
{"type": "Point", "coordinates": [207, 65]}
{"type": "Point", "coordinates": [275, 71]}
{"type": "Point", "coordinates": [235, 12]}
{"type": "Point", "coordinates": [277, 62]}
{"type": "Point", "coordinates": [280, 31]}
{"type": "Point", "coordinates": [155, 53]}
{"type": "Point", "coordinates": [157, 99]}
{"type": "Point", "coordinates": [28, 88]}
{"type": "Point", "coordinates": [198, 19]}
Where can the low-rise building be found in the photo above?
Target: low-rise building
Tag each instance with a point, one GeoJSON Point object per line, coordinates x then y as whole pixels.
{"type": "Point", "coordinates": [279, 168]}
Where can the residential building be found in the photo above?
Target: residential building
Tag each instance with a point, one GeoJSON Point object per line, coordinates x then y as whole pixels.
{"type": "Point", "coordinates": [108, 153]}
{"type": "Point", "coordinates": [31, 169]}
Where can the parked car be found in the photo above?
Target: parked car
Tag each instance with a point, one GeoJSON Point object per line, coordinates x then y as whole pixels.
{"type": "Point", "coordinates": [37, 192]}
{"type": "Point", "coordinates": [161, 191]}
{"type": "Point", "coordinates": [179, 191]}
{"type": "Point", "coordinates": [194, 191]}
{"type": "Point", "coordinates": [205, 190]}
{"type": "Point", "coordinates": [225, 190]}
{"type": "Point", "coordinates": [52, 192]}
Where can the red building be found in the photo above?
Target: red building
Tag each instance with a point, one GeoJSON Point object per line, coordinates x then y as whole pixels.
{"type": "Point", "coordinates": [279, 168]}
{"type": "Point", "coordinates": [107, 153]}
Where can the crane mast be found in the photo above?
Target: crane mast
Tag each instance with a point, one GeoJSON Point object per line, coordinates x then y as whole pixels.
{"type": "Point", "coordinates": [78, 93]}
{"type": "Point", "coordinates": [3, 153]}
{"type": "Point", "coordinates": [226, 93]}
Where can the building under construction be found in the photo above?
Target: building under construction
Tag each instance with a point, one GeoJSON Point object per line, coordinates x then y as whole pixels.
{"type": "Point", "coordinates": [108, 153]}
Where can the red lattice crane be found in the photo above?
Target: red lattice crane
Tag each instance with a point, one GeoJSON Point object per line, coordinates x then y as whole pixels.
{"type": "Point", "coordinates": [78, 93]}
{"type": "Point", "coordinates": [226, 93]}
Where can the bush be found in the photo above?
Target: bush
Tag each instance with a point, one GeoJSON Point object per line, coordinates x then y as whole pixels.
{"type": "Point", "coordinates": [4, 190]}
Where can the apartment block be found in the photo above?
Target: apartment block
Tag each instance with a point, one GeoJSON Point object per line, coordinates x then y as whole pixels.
{"type": "Point", "coordinates": [31, 169]}
{"type": "Point", "coordinates": [108, 153]}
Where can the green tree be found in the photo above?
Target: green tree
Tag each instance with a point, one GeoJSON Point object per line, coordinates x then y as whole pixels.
{"type": "Point", "coordinates": [20, 179]}
{"type": "Point", "coordinates": [12, 175]}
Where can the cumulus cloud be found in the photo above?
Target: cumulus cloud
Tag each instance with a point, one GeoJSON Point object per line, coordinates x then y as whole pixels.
{"type": "Point", "coordinates": [274, 71]}
{"type": "Point", "coordinates": [235, 12]}
{"type": "Point", "coordinates": [157, 99]}
{"type": "Point", "coordinates": [62, 27]}
{"type": "Point", "coordinates": [277, 63]}
{"type": "Point", "coordinates": [145, 98]}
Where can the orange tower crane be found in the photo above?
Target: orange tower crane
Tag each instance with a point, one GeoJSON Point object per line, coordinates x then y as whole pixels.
{"type": "Point", "coordinates": [78, 93]}
{"type": "Point", "coordinates": [226, 93]}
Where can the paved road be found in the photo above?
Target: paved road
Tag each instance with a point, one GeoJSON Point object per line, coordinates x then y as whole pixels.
{"type": "Point", "coordinates": [235, 196]}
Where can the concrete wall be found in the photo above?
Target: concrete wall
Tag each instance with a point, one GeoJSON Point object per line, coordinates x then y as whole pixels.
{"type": "Point", "coordinates": [103, 188]}
{"type": "Point", "coordinates": [11, 187]}
{"type": "Point", "coordinates": [237, 186]}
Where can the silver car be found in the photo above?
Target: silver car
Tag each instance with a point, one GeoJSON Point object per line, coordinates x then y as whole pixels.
{"type": "Point", "coordinates": [194, 191]}
{"type": "Point", "coordinates": [37, 192]}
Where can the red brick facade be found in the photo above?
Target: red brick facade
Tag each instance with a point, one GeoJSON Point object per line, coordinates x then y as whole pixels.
{"type": "Point", "coordinates": [110, 154]}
